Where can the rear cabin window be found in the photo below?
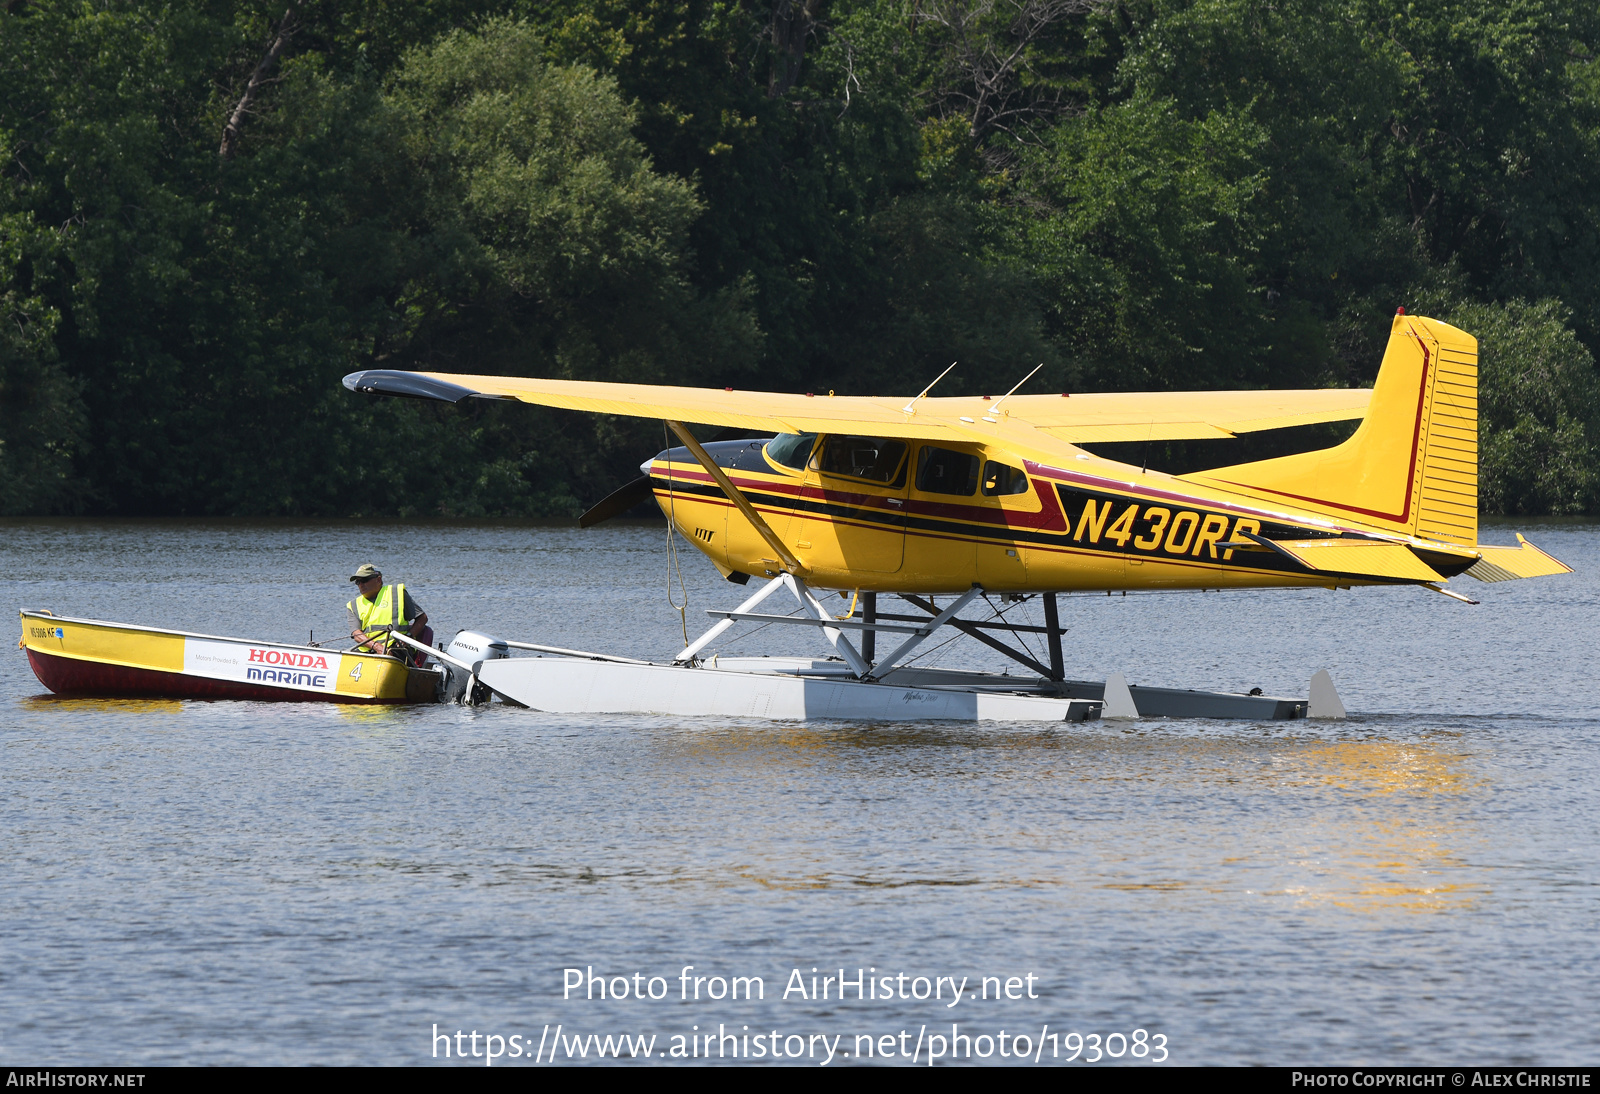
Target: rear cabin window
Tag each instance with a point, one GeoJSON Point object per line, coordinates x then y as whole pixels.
{"type": "Point", "coordinates": [998, 478]}
{"type": "Point", "coordinates": [943, 471]}
{"type": "Point", "coordinates": [876, 459]}
{"type": "Point", "coordinates": [791, 449]}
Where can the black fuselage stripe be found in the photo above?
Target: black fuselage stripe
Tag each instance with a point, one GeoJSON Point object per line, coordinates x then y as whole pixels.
{"type": "Point", "coordinates": [994, 535]}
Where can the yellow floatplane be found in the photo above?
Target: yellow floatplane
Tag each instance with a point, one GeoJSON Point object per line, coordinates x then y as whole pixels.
{"type": "Point", "coordinates": [968, 497]}
{"type": "Point", "coordinates": [93, 657]}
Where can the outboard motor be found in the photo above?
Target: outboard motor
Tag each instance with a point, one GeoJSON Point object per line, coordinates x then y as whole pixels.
{"type": "Point", "coordinates": [474, 649]}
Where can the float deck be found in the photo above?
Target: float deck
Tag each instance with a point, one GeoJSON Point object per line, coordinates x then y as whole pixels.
{"type": "Point", "coordinates": [803, 688]}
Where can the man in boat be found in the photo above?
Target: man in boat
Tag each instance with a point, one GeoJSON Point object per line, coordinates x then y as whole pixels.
{"type": "Point", "coordinates": [381, 609]}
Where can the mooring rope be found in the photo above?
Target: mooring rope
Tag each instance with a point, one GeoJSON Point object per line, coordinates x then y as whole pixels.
{"type": "Point", "coordinates": [674, 562]}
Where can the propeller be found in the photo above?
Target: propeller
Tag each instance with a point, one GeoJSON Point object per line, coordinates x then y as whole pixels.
{"type": "Point", "coordinates": [623, 498]}
{"type": "Point", "coordinates": [617, 502]}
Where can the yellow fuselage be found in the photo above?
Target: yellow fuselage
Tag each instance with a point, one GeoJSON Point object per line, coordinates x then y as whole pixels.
{"type": "Point", "coordinates": [1020, 527]}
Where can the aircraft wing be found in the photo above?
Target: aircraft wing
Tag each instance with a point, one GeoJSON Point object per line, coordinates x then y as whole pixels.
{"type": "Point", "coordinates": [755, 410]}
{"type": "Point", "coordinates": [1036, 422]}
{"type": "Point", "coordinates": [1184, 415]}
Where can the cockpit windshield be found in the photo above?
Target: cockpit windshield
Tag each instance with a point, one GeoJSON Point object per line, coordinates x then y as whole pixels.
{"type": "Point", "coordinates": [791, 449]}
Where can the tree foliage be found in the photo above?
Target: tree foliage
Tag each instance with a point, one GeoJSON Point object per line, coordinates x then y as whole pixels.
{"type": "Point", "coordinates": [1539, 447]}
{"type": "Point", "coordinates": [789, 194]}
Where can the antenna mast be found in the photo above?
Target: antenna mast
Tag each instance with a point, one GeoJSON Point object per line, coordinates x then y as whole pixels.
{"type": "Point", "coordinates": [910, 408]}
{"type": "Point", "coordinates": [1013, 391]}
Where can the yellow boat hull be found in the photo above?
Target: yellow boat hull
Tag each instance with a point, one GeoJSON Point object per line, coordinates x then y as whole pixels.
{"type": "Point", "coordinates": [94, 657]}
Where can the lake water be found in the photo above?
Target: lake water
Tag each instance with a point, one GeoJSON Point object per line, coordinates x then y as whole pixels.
{"type": "Point", "coordinates": [215, 882]}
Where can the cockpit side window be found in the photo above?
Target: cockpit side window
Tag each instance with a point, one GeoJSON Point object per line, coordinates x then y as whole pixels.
{"type": "Point", "coordinates": [943, 471]}
{"type": "Point", "coordinates": [876, 459]}
{"type": "Point", "coordinates": [998, 478]}
{"type": "Point", "coordinates": [791, 449]}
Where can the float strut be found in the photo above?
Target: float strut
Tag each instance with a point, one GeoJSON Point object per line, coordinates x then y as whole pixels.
{"type": "Point", "coordinates": [808, 601]}
{"type": "Point", "coordinates": [923, 632]}
{"type": "Point", "coordinates": [689, 651]}
{"type": "Point", "coordinates": [966, 626]}
{"type": "Point", "coordinates": [869, 638]}
{"type": "Point", "coordinates": [1052, 623]}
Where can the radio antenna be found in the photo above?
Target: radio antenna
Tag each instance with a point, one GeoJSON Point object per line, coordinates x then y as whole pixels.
{"type": "Point", "coordinates": [910, 408]}
{"type": "Point", "coordinates": [1013, 391]}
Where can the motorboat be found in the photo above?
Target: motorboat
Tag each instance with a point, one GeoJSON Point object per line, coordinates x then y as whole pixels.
{"type": "Point", "coordinates": [94, 657]}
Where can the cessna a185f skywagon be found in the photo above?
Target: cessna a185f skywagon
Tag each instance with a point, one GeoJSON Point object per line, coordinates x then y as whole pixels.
{"type": "Point", "coordinates": [981, 497]}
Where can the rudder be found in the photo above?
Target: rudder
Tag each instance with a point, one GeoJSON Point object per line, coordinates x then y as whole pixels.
{"type": "Point", "coordinates": [1447, 506]}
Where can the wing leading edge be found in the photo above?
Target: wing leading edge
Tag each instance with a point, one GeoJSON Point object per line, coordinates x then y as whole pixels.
{"type": "Point", "coordinates": [1050, 419]}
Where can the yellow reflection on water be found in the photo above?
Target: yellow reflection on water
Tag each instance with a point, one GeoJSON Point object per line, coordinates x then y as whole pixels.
{"type": "Point", "coordinates": [1379, 826]}
{"type": "Point", "coordinates": [1396, 845]}
{"type": "Point", "coordinates": [120, 706]}
{"type": "Point", "coordinates": [370, 714]}
{"type": "Point", "coordinates": [1383, 767]}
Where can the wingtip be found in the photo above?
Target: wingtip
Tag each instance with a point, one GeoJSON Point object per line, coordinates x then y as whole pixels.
{"type": "Point", "coordinates": [407, 385]}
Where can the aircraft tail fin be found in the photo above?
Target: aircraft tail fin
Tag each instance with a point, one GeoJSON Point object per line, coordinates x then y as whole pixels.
{"type": "Point", "coordinates": [1412, 465]}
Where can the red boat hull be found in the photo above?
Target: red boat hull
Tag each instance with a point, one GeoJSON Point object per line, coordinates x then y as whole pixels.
{"type": "Point", "coordinates": [74, 676]}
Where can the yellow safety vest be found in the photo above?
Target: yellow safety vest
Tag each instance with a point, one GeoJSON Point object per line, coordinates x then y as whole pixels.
{"type": "Point", "coordinates": [385, 611]}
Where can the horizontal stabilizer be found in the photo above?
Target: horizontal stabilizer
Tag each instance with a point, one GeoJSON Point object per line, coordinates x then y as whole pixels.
{"type": "Point", "coordinates": [1510, 563]}
{"type": "Point", "coordinates": [1369, 558]}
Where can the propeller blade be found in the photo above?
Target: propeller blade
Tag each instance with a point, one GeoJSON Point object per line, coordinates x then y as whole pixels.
{"type": "Point", "coordinates": [617, 502]}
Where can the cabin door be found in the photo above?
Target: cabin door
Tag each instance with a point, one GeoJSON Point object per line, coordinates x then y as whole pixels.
{"type": "Point", "coordinates": [1007, 505]}
{"type": "Point", "coordinates": [852, 515]}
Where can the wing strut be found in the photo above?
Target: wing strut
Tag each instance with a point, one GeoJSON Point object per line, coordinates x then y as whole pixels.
{"type": "Point", "coordinates": [785, 558]}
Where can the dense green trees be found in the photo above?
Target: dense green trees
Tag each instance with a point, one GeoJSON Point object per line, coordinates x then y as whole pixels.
{"type": "Point", "coordinates": [1538, 399]}
{"type": "Point", "coordinates": [41, 417]}
{"type": "Point", "coordinates": [790, 194]}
